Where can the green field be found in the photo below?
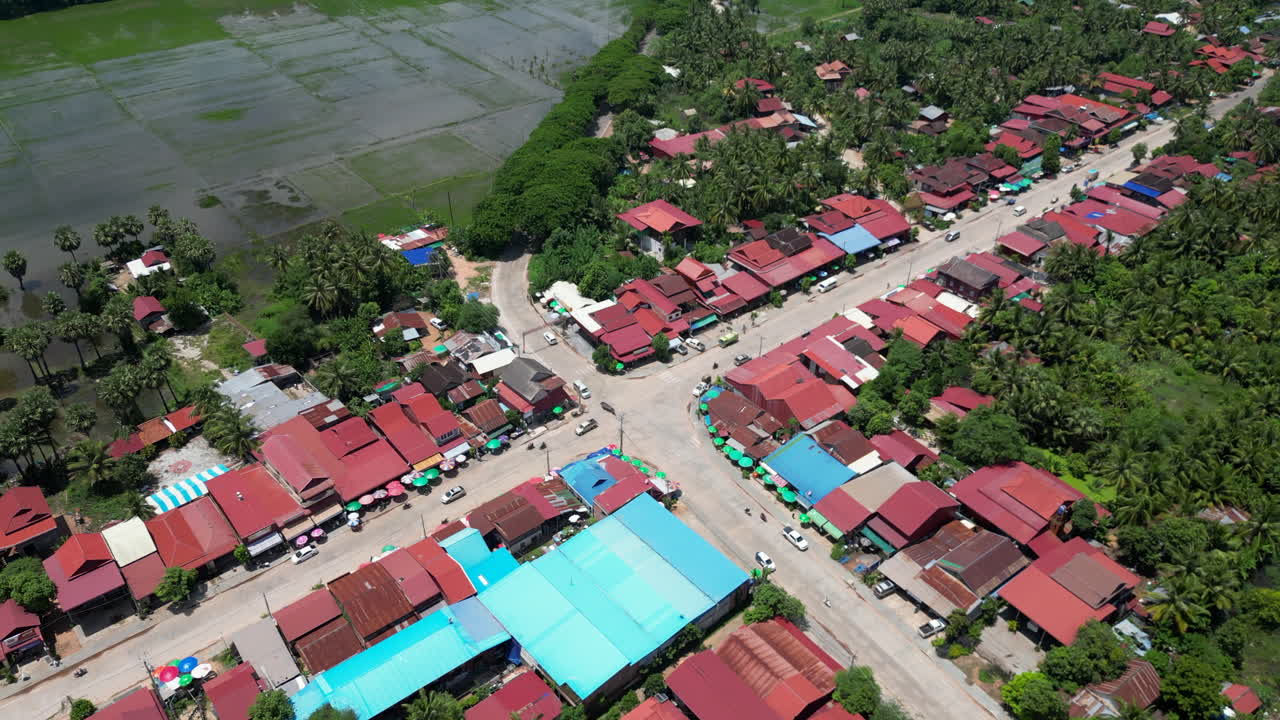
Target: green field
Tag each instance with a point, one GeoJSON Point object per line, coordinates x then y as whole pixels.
{"type": "Point", "coordinates": [783, 13]}
{"type": "Point", "coordinates": [399, 169]}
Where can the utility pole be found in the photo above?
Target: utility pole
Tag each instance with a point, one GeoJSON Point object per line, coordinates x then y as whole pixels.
{"type": "Point", "coordinates": [449, 194]}
{"type": "Point", "coordinates": [761, 350]}
{"type": "Point", "coordinates": [264, 602]}
{"type": "Point", "coordinates": [620, 419]}
{"type": "Point", "coordinates": [423, 519]}
{"type": "Point", "coordinates": [548, 453]}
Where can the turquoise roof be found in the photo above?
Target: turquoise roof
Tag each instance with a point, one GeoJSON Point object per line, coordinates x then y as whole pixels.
{"type": "Point", "coordinates": [483, 567]}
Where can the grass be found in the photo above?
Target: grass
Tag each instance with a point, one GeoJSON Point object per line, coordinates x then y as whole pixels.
{"type": "Point", "coordinates": [782, 13]}
{"type": "Point", "coordinates": [382, 216]}
{"type": "Point", "coordinates": [410, 165]}
{"type": "Point", "coordinates": [209, 201]}
{"type": "Point", "coordinates": [223, 115]}
{"type": "Point", "coordinates": [1181, 389]}
{"type": "Point", "coordinates": [1092, 487]}
{"type": "Point", "coordinates": [334, 186]}
{"type": "Point", "coordinates": [454, 198]}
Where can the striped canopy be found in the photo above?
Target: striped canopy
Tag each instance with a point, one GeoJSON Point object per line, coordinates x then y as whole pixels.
{"type": "Point", "coordinates": [184, 491]}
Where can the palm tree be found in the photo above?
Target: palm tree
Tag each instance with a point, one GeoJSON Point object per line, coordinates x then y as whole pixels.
{"type": "Point", "coordinates": [68, 327]}
{"type": "Point", "coordinates": [432, 706]}
{"type": "Point", "coordinates": [15, 263]}
{"type": "Point", "coordinates": [29, 343]}
{"type": "Point", "coordinates": [1178, 603]}
{"type": "Point", "coordinates": [231, 432]}
{"type": "Point", "coordinates": [336, 378]}
{"type": "Point", "coordinates": [139, 507]}
{"type": "Point", "coordinates": [1259, 536]}
{"type": "Point", "coordinates": [66, 239]}
{"type": "Point", "coordinates": [89, 462]}
{"type": "Point", "coordinates": [156, 360]}
{"type": "Point", "coordinates": [72, 276]}
{"type": "Point", "coordinates": [320, 294]}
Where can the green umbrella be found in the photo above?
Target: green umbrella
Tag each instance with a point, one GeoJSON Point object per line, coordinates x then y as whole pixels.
{"type": "Point", "coordinates": [768, 481]}
{"type": "Point", "coordinates": [353, 506]}
{"type": "Point", "coordinates": [760, 470]}
{"type": "Point", "coordinates": [618, 367]}
{"type": "Point", "coordinates": [184, 680]}
{"type": "Point", "coordinates": [735, 455]}
{"type": "Point", "coordinates": [440, 349]}
{"type": "Point", "coordinates": [637, 462]}
{"type": "Point", "coordinates": [420, 481]}
{"type": "Point", "coordinates": [703, 407]}
{"type": "Point", "coordinates": [804, 517]}
{"type": "Point", "coordinates": [788, 494]}
{"type": "Point", "coordinates": [718, 441]}
{"type": "Point", "coordinates": [432, 474]}
{"type": "Point", "coordinates": [493, 444]}
{"type": "Point", "coordinates": [728, 450]}
{"type": "Point", "coordinates": [616, 452]}
{"type": "Point", "coordinates": [557, 410]}
{"type": "Point", "coordinates": [644, 470]}
{"type": "Point", "coordinates": [626, 458]}
{"type": "Point", "coordinates": [661, 475]}
{"type": "Point", "coordinates": [712, 429]}
{"type": "Point", "coordinates": [745, 462]}
{"type": "Point", "coordinates": [388, 548]}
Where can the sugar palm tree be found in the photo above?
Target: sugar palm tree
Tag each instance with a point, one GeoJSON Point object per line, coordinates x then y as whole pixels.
{"type": "Point", "coordinates": [15, 263]}
{"type": "Point", "coordinates": [72, 275]}
{"type": "Point", "coordinates": [66, 239]}
{"type": "Point", "coordinates": [89, 462]}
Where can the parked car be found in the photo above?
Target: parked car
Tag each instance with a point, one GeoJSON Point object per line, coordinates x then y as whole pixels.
{"type": "Point", "coordinates": [931, 628]}
{"type": "Point", "coordinates": [741, 359]}
{"type": "Point", "coordinates": [696, 344]}
{"type": "Point", "coordinates": [586, 426]}
{"type": "Point", "coordinates": [728, 339]}
{"type": "Point", "coordinates": [680, 348]}
{"type": "Point", "coordinates": [951, 236]}
{"type": "Point", "coordinates": [765, 561]}
{"type": "Point", "coordinates": [1020, 211]}
{"type": "Point", "coordinates": [550, 337]}
{"type": "Point", "coordinates": [304, 554]}
{"type": "Point", "coordinates": [699, 389]}
{"type": "Point", "coordinates": [583, 390]}
{"type": "Point", "coordinates": [884, 588]}
{"type": "Point", "coordinates": [452, 494]}
{"type": "Point", "coordinates": [795, 538]}
{"type": "Point", "coordinates": [438, 324]}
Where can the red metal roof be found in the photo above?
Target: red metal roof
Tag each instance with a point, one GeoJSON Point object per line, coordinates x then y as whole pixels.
{"type": "Point", "coordinates": [713, 691]}
{"type": "Point", "coordinates": [744, 286]}
{"type": "Point", "coordinates": [152, 258]}
{"type": "Point", "coordinates": [192, 535]}
{"type": "Point", "coordinates": [918, 330]}
{"type": "Point", "coordinates": [512, 399]}
{"type": "Point", "coordinates": [526, 694]}
{"type": "Point", "coordinates": [348, 436]}
{"type": "Point", "coordinates": [329, 645]}
{"type": "Point", "coordinates": [408, 438]}
{"type": "Point", "coordinates": [1015, 498]}
{"type": "Point", "coordinates": [369, 468]}
{"type": "Point", "coordinates": [761, 85]}
{"type": "Point", "coordinates": [24, 515]}
{"type": "Point", "coordinates": [965, 398]}
{"type": "Point", "coordinates": [651, 709]}
{"type": "Point", "coordinates": [143, 575]}
{"type": "Point", "coordinates": [146, 305]}
{"type": "Point", "coordinates": [1243, 699]}
{"type": "Point", "coordinates": [660, 216]}
{"type": "Point", "coordinates": [1049, 605]}
{"type": "Point", "coordinates": [621, 493]}
{"type": "Point", "coordinates": [952, 322]}
{"type": "Point", "coordinates": [447, 573]}
{"type": "Point", "coordinates": [233, 692]}
{"type": "Point", "coordinates": [126, 446]}
{"type": "Point", "coordinates": [81, 554]}
{"type": "Point", "coordinates": [141, 704]}
{"type": "Point", "coordinates": [14, 618]}
{"type": "Point", "coordinates": [253, 501]}
{"type": "Point", "coordinates": [301, 617]}
{"type": "Point", "coordinates": [1154, 27]}
{"type": "Point", "coordinates": [296, 449]}
{"type": "Point", "coordinates": [903, 449]}
{"type": "Point", "coordinates": [914, 506]}
{"type": "Point", "coordinates": [832, 711]}
{"type": "Point", "coordinates": [414, 581]}
{"type": "Point", "coordinates": [256, 348]}
{"type": "Point", "coordinates": [1022, 244]}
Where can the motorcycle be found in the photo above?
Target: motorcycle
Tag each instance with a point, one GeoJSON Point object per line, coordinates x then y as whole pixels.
{"type": "Point", "coordinates": [81, 672]}
{"type": "Point", "coordinates": [746, 510]}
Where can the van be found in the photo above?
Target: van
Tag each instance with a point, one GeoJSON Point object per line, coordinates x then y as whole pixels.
{"type": "Point", "coordinates": [826, 285]}
{"type": "Point", "coordinates": [583, 391]}
{"type": "Point", "coordinates": [1020, 211]}
{"type": "Point", "coordinates": [550, 338]}
{"type": "Point", "coordinates": [951, 236]}
{"type": "Point", "coordinates": [728, 339]}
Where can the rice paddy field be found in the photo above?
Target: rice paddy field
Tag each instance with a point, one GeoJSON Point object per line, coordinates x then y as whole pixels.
{"type": "Point", "coordinates": [257, 117]}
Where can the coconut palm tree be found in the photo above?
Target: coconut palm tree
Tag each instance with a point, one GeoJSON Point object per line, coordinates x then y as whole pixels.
{"type": "Point", "coordinates": [89, 462]}
{"type": "Point", "coordinates": [1179, 603]}
{"type": "Point", "coordinates": [321, 294]}
{"type": "Point", "coordinates": [230, 432]}
{"type": "Point", "coordinates": [432, 706]}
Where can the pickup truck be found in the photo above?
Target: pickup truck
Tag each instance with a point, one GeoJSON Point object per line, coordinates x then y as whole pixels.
{"type": "Point", "coordinates": [931, 628]}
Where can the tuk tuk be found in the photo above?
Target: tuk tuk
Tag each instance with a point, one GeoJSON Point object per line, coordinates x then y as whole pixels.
{"type": "Point", "coordinates": [728, 339]}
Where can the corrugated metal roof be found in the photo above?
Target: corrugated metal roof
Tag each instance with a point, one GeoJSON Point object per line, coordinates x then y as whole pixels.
{"type": "Point", "coordinates": [372, 600]}
{"type": "Point", "coordinates": [301, 617]}
{"type": "Point", "coordinates": [712, 691]}
{"type": "Point", "coordinates": [261, 645]}
{"type": "Point", "coordinates": [329, 645]}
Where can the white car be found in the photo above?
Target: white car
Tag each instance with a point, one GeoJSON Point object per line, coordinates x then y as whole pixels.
{"type": "Point", "coordinates": [452, 494]}
{"type": "Point", "coordinates": [304, 554]}
{"type": "Point", "coordinates": [550, 338]}
{"type": "Point", "coordinates": [438, 324]}
{"type": "Point", "coordinates": [696, 344]}
{"type": "Point", "coordinates": [883, 589]}
{"type": "Point", "coordinates": [699, 389]}
{"type": "Point", "coordinates": [795, 538]}
{"type": "Point", "coordinates": [765, 561]}
{"type": "Point", "coordinates": [931, 628]}
{"type": "Point", "coordinates": [586, 426]}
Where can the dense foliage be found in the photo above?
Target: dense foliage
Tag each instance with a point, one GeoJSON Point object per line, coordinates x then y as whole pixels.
{"type": "Point", "coordinates": [10, 9]}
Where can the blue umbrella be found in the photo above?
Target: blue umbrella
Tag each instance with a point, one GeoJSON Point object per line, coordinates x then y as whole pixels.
{"type": "Point", "coordinates": [187, 664]}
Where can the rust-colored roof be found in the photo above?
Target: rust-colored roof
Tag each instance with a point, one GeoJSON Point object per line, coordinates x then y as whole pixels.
{"type": "Point", "coordinates": [526, 694]}
{"type": "Point", "coordinates": [141, 704]}
{"type": "Point", "coordinates": [446, 571]}
{"type": "Point", "coordinates": [233, 692]}
{"type": "Point", "coordinates": [651, 709]}
{"type": "Point", "coordinates": [487, 415]}
{"type": "Point", "coordinates": [713, 691]}
{"type": "Point", "coordinates": [143, 575]}
{"type": "Point", "coordinates": [153, 431]}
{"type": "Point", "coordinates": [372, 600]}
{"type": "Point", "coordinates": [510, 514]}
{"type": "Point", "coordinates": [778, 667]}
{"type": "Point", "coordinates": [192, 535]}
{"type": "Point", "coordinates": [329, 645]}
{"type": "Point", "coordinates": [414, 581]}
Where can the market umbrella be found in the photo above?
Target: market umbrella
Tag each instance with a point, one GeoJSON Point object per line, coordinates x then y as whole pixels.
{"type": "Point", "coordinates": [201, 671]}
{"type": "Point", "coordinates": [735, 455]}
{"type": "Point", "coordinates": [712, 429]}
{"type": "Point", "coordinates": [661, 475]}
{"type": "Point", "coordinates": [168, 672]}
{"type": "Point", "coordinates": [318, 532]}
{"type": "Point", "coordinates": [557, 410]}
{"type": "Point", "coordinates": [388, 548]}
{"type": "Point", "coordinates": [804, 517]}
{"type": "Point", "coordinates": [718, 441]}
{"type": "Point", "coordinates": [446, 466]}
{"type": "Point", "coordinates": [637, 462]}
{"type": "Point", "coordinates": [353, 506]}
{"type": "Point", "coordinates": [300, 540]}
{"type": "Point", "coordinates": [461, 459]}
{"type": "Point", "coordinates": [745, 462]}
{"type": "Point", "coordinates": [379, 494]}
{"type": "Point", "coordinates": [396, 491]}
{"type": "Point", "coordinates": [644, 469]}
{"type": "Point", "coordinates": [626, 458]}
{"type": "Point", "coordinates": [431, 474]}
{"type": "Point", "coordinates": [366, 500]}
{"type": "Point", "coordinates": [728, 449]}
{"type": "Point", "coordinates": [616, 452]}
{"type": "Point", "coordinates": [493, 444]}
{"type": "Point", "coordinates": [760, 471]}
{"type": "Point", "coordinates": [703, 407]}
{"type": "Point", "coordinates": [353, 516]}
{"type": "Point", "coordinates": [185, 680]}
{"type": "Point", "coordinates": [440, 349]}
{"type": "Point", "coordinates": [788, 494]}
{"type": "Point", "coordinates": [618, 367]}
{"type": "Point", "coordinates": [420, 481]}
{"type": "Point", "coordinates": [768, 481]}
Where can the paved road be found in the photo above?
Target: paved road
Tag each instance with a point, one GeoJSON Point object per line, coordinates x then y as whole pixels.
{"type": "Point", "coordinates": [655, 422]}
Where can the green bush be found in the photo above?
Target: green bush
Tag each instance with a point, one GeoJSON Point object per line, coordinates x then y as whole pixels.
{"type": "Point", "coordinates": [81, 709]}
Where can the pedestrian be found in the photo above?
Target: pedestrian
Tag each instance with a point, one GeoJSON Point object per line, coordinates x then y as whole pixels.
{"type": "Point", "coordinates": [826, 602]}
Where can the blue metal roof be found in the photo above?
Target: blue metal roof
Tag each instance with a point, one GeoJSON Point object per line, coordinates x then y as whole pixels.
{"type": "Point", "coordinates": [808, 468]}
{"type": "Point", "coordinates": [612, 594]}
{"type": "Point", "coordinates": [1140, 188]}
{"type": "Point", "coordinates": [804, 120]}
{"type": "Point", "coordinates": [587, 478]}
{"type": "Point", "coordinates": [385, 674]}
{"type": "Point", "coordinates": [483, 566]}
{"type": "Point", "coordinates": [854, 240]}
{"type": "Point", "coordinates": [419, 256]}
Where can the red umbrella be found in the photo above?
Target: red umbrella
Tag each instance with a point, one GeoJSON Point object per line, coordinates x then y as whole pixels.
{"type": "Point", "coordinates": [396, 491]}
{"type": "Point", "coordinates": [366, 500]}
{"type": "Point", "coordinates": [168, 673]}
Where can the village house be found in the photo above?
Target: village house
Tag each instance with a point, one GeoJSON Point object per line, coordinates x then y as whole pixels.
{"type": "Point", "coordinates": [656, 222]}
{"type": "Point", "coordinates": [832, 74]}
{"type": "Point", "coordinates": [150, 314]}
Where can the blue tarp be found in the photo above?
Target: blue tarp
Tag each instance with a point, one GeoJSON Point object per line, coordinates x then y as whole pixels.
{"type": "Point", "coordinates": [1223, 177]}
{"type": "Point", "coordinates": [588, 479]}
{"type": "Point", "coordinates": [385, 674]}
{"type": "Point", "coordinates": [808, 469]}
{"type": "Point", "coordinates": [854, 240]}
{"type": "Point", "coordinates": [1140, 188]}
{"type": "Point", "coordinates": [419, 256]}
